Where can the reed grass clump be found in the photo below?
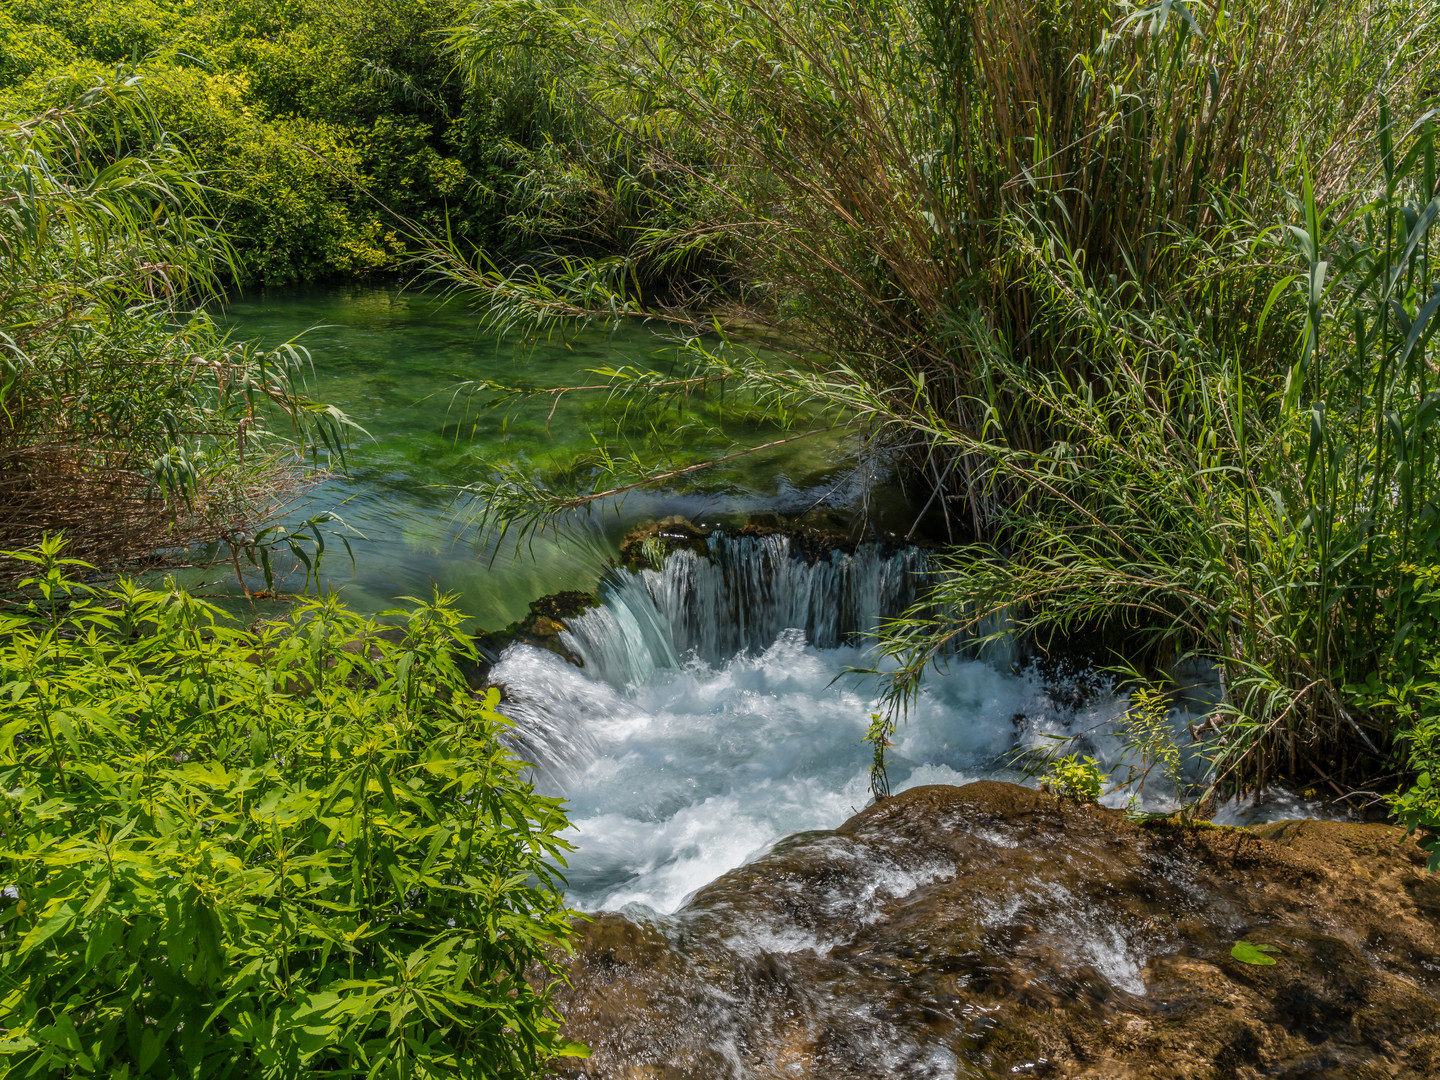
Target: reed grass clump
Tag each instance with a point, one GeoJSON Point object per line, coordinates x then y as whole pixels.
{"type": "Point", "coordinates": [126, 418]}
{"type": "Point", "coordinates": [1143, 293]}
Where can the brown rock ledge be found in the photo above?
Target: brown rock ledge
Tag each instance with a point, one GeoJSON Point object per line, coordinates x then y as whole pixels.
{"type": "Point", "coordinates": [991, 930]}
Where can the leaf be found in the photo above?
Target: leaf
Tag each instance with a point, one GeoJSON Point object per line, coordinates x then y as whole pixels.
{"type": "Point", "coordinates": [1252, 953]}
{"type": "Point", "coordinates": [46, 930]}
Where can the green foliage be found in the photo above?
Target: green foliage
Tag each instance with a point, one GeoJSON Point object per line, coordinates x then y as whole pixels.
{"type": "Point", "coordinates": [333, 132]}
{"type": "Point", "coordinates": [1250, 953]}
{"type": "Point", "coordinates": [1075, 777]}
{"type": "Point", "coordinates": [1145, 728]}
{"type": "Point", "coordinates": [878, 736]}
{"type": "Point", "coordinates": [125, 417]}
{"type": "Point", "coordinates": [1198, 496]}
{"type": "Point", "coordinates": [1415, 702]}
{"type": "Point", "coordinates": [300, 849]}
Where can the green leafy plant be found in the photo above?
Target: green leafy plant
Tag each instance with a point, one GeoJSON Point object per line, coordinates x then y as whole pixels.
{"type": "Point", "coordinates": [299, 849]}
{"type": "Point", "coordinates": [1145, 728]}
{"type": "Point", "coordinates": [1417, 804]}
{"type": "Point", "coordinates": [878, 736]}
{"type": "Point", "coordinates": [1075, 777]}
{"type": "Point", "coordinates": [1248, 952]}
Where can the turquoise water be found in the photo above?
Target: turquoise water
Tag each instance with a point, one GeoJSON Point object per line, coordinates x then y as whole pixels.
{"type": "Point", "coordinates": [396, 362]}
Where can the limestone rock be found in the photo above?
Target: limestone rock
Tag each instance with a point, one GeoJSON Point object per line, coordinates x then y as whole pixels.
{"type": "Point", "coordinates": [992, 930]}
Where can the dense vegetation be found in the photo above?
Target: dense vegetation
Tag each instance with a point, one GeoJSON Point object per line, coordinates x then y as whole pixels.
{"type": "Point", "coordinates": [299, 849]}
{"type": "Point", "coordinates": [1142, 297]}
{"type": "Point", "coordinates": [1145, 294]}
{"type": "Point", "coordinates": [125, 417]}
{"type": "Point", "coordinates": [331, 130]}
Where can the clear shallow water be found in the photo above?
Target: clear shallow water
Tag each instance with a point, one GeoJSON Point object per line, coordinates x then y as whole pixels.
{"type": "Point", "coordinates": [394, 362]}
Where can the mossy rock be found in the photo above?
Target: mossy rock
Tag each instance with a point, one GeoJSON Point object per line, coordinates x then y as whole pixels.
{"type": "Point", "coordinates": [1006, 932]}
{"type": "Point", "coordinates": [542, 627]}
{"type": "Point", "coordinates": [563, 605]}
{"type": "Point", "coordinates": [648, 545]}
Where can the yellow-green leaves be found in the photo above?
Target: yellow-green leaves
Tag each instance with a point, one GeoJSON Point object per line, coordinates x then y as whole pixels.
{"type": "Point", "coordinates": [1248, 952]}
{"type": "Point", "coordinates": [358, 889]}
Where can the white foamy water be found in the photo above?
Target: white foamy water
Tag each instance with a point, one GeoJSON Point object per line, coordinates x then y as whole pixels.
{"type": "Point", "coordinates": [716, 713]}
{"type": "Point", "coordinates": [703, 767]}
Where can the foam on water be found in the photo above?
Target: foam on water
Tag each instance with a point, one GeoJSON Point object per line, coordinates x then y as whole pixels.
{"type": "Point", "coordinates": [717, 712]}
{"type": "Point", "coordinates": [703, 766]}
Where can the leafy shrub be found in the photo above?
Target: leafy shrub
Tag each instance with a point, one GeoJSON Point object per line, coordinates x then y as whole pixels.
{"type": "Point", "coordinates": [296, 850]}
{"type": "Point", "coordinates": [1410, 692]}
{"type": "Point", "coordinates": [1418, 805]}
{"type": "Point", "coordinates": [315, 119]}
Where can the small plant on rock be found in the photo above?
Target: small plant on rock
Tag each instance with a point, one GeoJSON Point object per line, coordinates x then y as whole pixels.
{"type": "Point", "coordinates": [1075, 777]}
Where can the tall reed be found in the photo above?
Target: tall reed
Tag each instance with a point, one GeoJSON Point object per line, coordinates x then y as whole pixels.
{"type": "Point", "coordinates": [1143, 291]}
{"type": "Point", "coordinates": [126, 418]}
{"type": "Point", "coordinates": [1281, 522]}
{"type": "Point", "coordinates": [867, 166]}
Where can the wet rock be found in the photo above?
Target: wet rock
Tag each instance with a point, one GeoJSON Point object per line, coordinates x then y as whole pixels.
{"type": "Point", "coordinates": [563, 605]}
{"type": "Point", "coordinates": [992, 930]}
{"type": "Point", "coordinates": [813, 536]}
{"type": "Point", "coordinates": [541, 627]}
{"type": "Point", "coordinates": [647, 545]}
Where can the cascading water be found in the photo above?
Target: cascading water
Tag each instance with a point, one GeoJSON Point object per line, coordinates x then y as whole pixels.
{"type": "Point", "coordinates": [717, 711]}
{"type": "Point", "coordinates": [738, 599]}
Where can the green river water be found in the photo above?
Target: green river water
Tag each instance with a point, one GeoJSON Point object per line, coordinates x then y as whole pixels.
{"type": "Point", "coordinates": [394, 361]}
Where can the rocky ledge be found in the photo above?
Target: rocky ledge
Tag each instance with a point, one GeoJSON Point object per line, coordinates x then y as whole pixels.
{"type": "Point", "coordinates": [813, 537]}
{"type": "Point", "coordinates": [991, 930]}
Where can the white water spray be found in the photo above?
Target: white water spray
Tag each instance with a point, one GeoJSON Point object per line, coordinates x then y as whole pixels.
{"type": "Point", "coordinates": [715, 712]}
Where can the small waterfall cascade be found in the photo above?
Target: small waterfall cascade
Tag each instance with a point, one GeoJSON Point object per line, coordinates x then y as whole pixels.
{"type": "Point", "coordinates": [737, 600]}
{"type": "Point", "coordinates": [718, 707]}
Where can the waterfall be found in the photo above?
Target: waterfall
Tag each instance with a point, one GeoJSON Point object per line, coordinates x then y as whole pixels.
{"type": "Point", "coordinates": [738, 600]}
{"type": "Point", "coordinates": [717, 708]}
{"type": "Point", "coordinates": [744, 600]}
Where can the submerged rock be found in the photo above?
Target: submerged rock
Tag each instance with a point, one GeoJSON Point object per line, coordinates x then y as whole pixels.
{"type": "Point", "coordinates": [992, 930]}
{"type": "Point", "coordinates": [648, 545]}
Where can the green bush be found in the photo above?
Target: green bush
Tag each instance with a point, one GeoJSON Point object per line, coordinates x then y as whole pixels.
{"type": "Point", "coordinates": [300, 849]}
{"type": "Point", "coordinates": [315, 119]}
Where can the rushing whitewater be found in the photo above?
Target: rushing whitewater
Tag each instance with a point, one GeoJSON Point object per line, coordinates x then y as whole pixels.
{"type": "Point", "coordinates": [716, 711]}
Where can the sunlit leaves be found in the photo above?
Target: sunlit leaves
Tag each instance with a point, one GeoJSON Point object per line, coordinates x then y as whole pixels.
{"type": "Point", "coordinates": [298, 849]}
